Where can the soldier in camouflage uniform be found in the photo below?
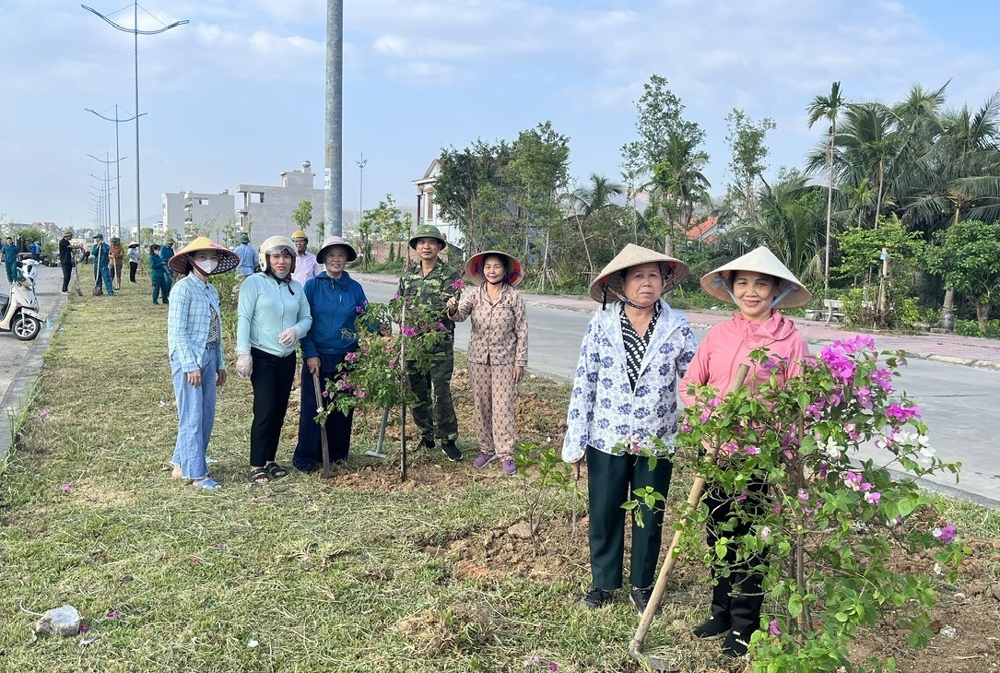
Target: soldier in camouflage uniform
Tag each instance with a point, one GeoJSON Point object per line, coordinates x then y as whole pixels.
{"type": "Point", "coordinates": [429, 284]}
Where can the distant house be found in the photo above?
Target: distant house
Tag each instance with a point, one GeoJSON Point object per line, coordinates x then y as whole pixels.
{"type": "Point", "coordinates": [268, 208]}
{"type": "Point", "coordinates": [704, 231]}
{"type": "Point", "coordinates": [197, 210]}
{"type": "Point", "coordinates": [429, 212]}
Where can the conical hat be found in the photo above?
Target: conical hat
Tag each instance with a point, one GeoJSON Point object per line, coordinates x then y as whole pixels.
{"type": "Point", "coordinates": [760, 260]}
{"type": "Point", "coordinates": [228, 260]}
{"type": "Point", "coordinates": [474, 267]}
{"type": "Point", "coordinates": [633, 255]}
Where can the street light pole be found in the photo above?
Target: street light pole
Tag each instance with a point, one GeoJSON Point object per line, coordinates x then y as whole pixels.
{"type": "Point", "coordinates": [136, 32]}
{"type": "Point", "coordinates": [106, 161]}
{"type": "Point", "coordinates": [118, 168]}
{"type": "Point", "coordinates": [361, 190]}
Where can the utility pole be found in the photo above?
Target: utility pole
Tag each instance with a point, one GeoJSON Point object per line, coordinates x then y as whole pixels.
{"type": "Point", "coordinates": [333, 201]}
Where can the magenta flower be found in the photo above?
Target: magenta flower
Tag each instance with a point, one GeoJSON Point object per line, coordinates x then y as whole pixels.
{"type": "Point", "coordinates": [45, 413]}
{"type": "Point", "coordinates": [83, 629]}
{"type": "Point", "coordinates": [777, 510]}
{"type": "Point", "coordinates": [946, 534]}
{"type": "Point", "coordinates": [458, 284]}
{"type": "Point", "coordinates": [752, 450]}
{"type": "Point", "coordinates": [901, 413]}
{"type": "Point", "coordinates": [66, 488]}
{"type": "Point", "coordinates": [359, 309]}
{"type": "Point", "coordinates": [803, 495]}
{"type": "Point", "coordinates": [765, 532]}
{"type": "Point", "coordinates": [873, 497]}
{"type": "Point", "coordinates": [351, 357]}
{"type": "Point", "coordinates": [773, 628]}
{"type": "Point", "coordinates": [326, 393]}
{"type": "Point", "coordinates": [553, 666]}
{"type": "Point", "coordinates": [112, 614]}
{"type": "Point", "coordinates": [409, 331]}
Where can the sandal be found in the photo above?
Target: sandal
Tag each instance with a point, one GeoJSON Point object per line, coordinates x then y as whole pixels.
{"type": "Point", "coordinates": [275, 471]}
{"type": "Point", "coordinates": [207, 483]}
{"type": "Point", "coordinates": [259, 475]}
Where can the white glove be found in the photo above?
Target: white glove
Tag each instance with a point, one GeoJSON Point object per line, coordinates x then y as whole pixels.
{"type": "Point", "coordinates": [244, 366]}
{"type": "Point", "coordinates": [288, 337]}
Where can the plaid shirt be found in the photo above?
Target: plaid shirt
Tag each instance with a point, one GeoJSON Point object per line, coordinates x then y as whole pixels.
{"type": "Point", "coordinates": [192, 303]}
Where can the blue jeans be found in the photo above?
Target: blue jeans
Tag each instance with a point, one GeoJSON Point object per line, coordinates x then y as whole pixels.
{"type": "Point", "coordinates": [195, 413]}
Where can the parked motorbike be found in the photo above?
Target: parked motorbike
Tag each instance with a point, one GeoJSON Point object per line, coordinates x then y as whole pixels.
{"type": "Point", "coordinates": [19, 312]}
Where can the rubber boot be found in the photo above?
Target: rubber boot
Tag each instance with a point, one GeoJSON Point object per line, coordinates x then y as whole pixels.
{"type": "Point", "coordinates": [717, 625]}
{"type": "Point", "coordinates": [744, 612]}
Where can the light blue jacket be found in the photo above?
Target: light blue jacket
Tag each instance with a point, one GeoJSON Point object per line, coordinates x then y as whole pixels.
{"type": "Point", "coordinates": [603, 410]}
{"type": "Point", "coordinates": [192, 302]}
{"type": "Point", "coordinates": [266, 309]}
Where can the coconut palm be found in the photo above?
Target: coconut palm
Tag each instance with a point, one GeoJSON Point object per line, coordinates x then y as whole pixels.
{"type": "Point", "coordinates": [827, 107]}
{"type": "Point", "coordinates": [679, 183]}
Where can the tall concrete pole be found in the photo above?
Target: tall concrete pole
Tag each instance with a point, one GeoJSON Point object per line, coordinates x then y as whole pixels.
{"type": "Point", "coordinates": [333, 200]}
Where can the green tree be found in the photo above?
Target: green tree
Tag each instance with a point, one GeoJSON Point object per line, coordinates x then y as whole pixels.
{"type": "Point", "coordinates": [827, 107]}
{"type": "Point", "coordinates": [386, 222]}
{"type": "Point", "coordinates": [746, 142]}
{"type": "Point", "coordinates": [467, 187]}
{"type": "Point", "coordinates": [968, 260]}
{"type": "Point", "coordinates": [302, 215]}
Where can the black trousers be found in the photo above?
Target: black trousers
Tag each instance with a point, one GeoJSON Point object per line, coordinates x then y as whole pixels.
{"type": "Point", "coordinates": [67, 270]}
{"type": "Point", "coordinates": [611, 481]}
{"type": "Point", "coordinates": [132, 267]}
{"type": "Point", "coordinates": [309, 451]}
{"type": "Point", "coordinates": [272, 386]}
{"type": "Point", "coordinates": [737, 598]}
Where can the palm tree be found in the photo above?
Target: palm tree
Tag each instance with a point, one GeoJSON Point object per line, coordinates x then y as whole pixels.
{"type": "Point", "coordinates": [587, 200]}
{"type": "Point", "coordinates": [827, 107]}
{"type": "Point", "coordinates": [679, 182]}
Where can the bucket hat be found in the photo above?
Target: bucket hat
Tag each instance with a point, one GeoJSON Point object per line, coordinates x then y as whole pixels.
{"type": "Point", "coordinates": [68, 233]}
{"type": "Point", "coordinates": [790, 291]}
{"type": "Point", "coordinates": [474, 268]}
{"type": "Point", "coordinates": [427, 231]}
{"type": "Point", "coordinates": [610, 280]}
{"type": "Point", "coordinates": [228, 260]}
{"type": "Point", "coordinates": [133, 244]}
{"type": "Point", "coordinates": [244, 237]}
{"type": "Point", "coordinates": [331, 241]}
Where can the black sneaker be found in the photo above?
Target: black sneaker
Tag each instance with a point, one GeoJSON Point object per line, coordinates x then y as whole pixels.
{"type": "Point", "coordinates": [736, 645]}
{"type": "Point", "coordinates": [711, 629]}
{"type": "Point", "coordinates": [453, 452]}
{"type": "Point", "coordinates": [596, 598]}
{"type": "Point", "coordinates": [640, 599]}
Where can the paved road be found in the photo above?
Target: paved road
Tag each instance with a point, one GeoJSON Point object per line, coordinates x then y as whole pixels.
{"type": "Point", "coordinates": [958, 402]}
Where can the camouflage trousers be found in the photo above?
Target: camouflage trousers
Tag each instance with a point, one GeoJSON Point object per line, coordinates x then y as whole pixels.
{"type": "Point", "coordinates": [434, 411]}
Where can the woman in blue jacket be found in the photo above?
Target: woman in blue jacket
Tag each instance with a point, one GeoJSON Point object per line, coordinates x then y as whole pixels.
{"type": "Point", "coordinates": [335, 299]}
{"type": "Point", "coordinates": [158, 274]}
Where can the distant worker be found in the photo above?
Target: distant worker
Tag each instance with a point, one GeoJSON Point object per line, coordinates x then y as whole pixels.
{"type": "Point", "coordinates": [133, 260]}
{"type": "Point", "coordinates": [102, 258]}
{"type": "Point", "coordinates": [247, 255]}
{"type": "Point", "coordinates": [9, 252]}
{"type": "Point", "coordinates": [158, 275]}
{"type": "Point", "coordinates": [305, 261]}
{"type": "Point", "coordinates": [117, 261]}
{"type": "Point", "coordinates": [166, 252]}
{"type": "Point", "coordinates": [36, 251]}
{"type": "Point", "coordinates": [66, 249]}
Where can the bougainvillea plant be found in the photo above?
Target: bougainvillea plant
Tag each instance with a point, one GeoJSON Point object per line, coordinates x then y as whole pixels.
{"type": "Point", "coordinates": [824, 528]}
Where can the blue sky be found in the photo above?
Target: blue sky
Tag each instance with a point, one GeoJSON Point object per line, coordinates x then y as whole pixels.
{"type": "Point", "coordinates": [236, 96]}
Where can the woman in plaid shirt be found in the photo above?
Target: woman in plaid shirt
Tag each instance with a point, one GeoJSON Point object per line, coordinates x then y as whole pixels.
{"type": "Point", "coordinates": [197, 365]}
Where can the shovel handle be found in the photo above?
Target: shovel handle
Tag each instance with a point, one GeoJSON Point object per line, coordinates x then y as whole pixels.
{"type": "Point", "coordinates": [322, 428]}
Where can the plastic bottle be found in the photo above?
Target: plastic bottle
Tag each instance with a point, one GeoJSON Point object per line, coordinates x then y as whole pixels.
{"type": "Point", "coordinates": [48, 322]}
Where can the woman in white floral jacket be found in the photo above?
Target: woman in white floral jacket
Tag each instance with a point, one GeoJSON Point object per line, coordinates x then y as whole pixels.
{"type": "Point", "coordinates": [634, 352]}
{"type": "Point", "coordinates": [498, 351]}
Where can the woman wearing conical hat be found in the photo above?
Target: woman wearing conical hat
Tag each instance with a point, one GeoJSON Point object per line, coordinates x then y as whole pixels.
{"type": "Point", "coordinates": [197, 363]}
{"type": "Point", "coordinates": [759, 284]}
{"type": "Point", "coordinates": [498, 351]}
{"type": "Point", "coordinates": [634, 352]}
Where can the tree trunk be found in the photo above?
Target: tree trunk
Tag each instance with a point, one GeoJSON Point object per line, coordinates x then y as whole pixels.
{"type": "Point", "coordinates": [545, 261]}
{"type": "Point", "coordinates": [983, 315]}
{"type": "Point", "coordinates": [829, 210]}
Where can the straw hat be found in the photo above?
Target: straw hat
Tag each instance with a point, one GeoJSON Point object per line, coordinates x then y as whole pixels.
{"type": "Point", "coordinates": [331, 241]}
{"type": "Point", "coordinates": [228, 260]}
{"type": "Point", "coordinates": [474, 268]}
{"type": "Point", "coordinates": [634, 255]}
{"type": "Point", "coordinates": [790, 291]}
{"type": "Point", "coordinates": [133, 244]}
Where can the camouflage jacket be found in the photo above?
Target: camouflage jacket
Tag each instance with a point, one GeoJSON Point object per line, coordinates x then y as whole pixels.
{"type": "Point", "coordinates": [431, 293]}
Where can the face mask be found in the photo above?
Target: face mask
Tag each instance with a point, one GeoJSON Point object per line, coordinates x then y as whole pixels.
{"type": "Point", "coordinates": [207, 265]}
{"type": "Point", "coordinates": [282, 275]}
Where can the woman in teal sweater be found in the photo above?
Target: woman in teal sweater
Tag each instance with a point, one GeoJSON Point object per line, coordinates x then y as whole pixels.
{"type": "Point", "coordinates": [158, 274]}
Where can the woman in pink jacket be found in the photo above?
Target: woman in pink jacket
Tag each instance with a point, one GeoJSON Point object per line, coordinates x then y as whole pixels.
{"type": "Point", "coordinates": [758, 283]}
{"type": "Point", "coordinates": [498, 351]}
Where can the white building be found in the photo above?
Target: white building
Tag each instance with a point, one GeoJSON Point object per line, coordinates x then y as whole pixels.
{"type": "Point", "coordinates": [197, 211]}
{"type": "Point", "coordinates": [266, 210]}
{"type": "Point", "coordinates": [428, 211]}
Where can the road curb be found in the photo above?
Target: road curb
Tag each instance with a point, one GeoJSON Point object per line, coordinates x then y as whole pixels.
{"type": "Point", "coordinates": [19, 393]}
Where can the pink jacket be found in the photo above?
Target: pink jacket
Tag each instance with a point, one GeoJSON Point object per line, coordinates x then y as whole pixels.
{"type": "Point", "coordinates": [729, 344]}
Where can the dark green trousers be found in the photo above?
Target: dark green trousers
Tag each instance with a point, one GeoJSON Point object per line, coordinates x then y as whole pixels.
{"type": "Point", "coordinates": [434, 410]}
{"type": "Point", "coordinates": [611, 481]}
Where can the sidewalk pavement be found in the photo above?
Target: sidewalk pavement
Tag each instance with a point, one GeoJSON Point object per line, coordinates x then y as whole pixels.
{"type": "Point", "coordinates": [949, 348]}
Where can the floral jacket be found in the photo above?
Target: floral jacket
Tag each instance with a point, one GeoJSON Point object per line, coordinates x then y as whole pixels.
{"type": "Point", "coordinates": [603, 409]}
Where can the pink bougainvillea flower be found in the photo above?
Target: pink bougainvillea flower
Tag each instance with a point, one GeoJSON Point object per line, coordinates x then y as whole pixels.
{"type": "Point", "coordinates": [901, 413]}
{"type": "Point", "coordinates": [873, 497]}
{"type": "Point", "coordinates": [326, 393]}
{"type": "Point", "coordinates": [458, 284]}
{"type": "Point", "coordinates": [777, 510]}
{"type": "Point", "coordinates": [409, 331]}
{"type": "Point", "coordinates": [773, 628]}
{"type": "Point", "coordinates": [752, 450]}
{"type": "Point", "coordinates": [112, 614]}
{"type": "Point", "coordinates": [553, 666]}
{"type": "Point", "coordinates": [84, 629]}
{"type": "Point", "coordinates": [802, 495]}
{"type": "Point", "coordinates": [45, 413]}
{"type": "Point", "coordinates": [359, 309]}
{"type": "Point", "coordinates": [66, 487]}
{"type": "Point", "coordinates": [946, 534]}
{"type": "Point", "coordinates": [765, 532]}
